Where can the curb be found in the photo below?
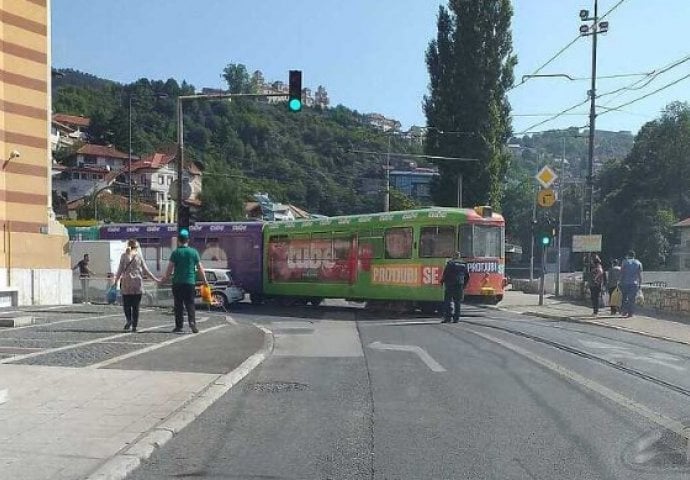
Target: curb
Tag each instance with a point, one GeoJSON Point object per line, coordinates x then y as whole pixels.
{"type": "Point", "coordinates": [601, 324]}
{"type": "Point", "coordinates": [128, 459]}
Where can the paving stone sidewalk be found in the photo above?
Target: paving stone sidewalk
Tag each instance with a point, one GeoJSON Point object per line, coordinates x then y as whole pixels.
{"type": "Point", "coordinates": [560, 309]}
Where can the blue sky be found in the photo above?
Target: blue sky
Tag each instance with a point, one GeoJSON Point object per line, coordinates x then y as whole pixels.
{"type": "Point", "coordinates": [369, 54]}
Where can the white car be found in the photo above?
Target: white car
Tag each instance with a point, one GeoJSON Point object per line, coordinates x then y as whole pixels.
{"type": "Point", "coordinates": [223, 289]}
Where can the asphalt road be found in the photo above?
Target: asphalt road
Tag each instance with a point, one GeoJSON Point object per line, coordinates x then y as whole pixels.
{"type": "Point", "coordinates": [497, 396]}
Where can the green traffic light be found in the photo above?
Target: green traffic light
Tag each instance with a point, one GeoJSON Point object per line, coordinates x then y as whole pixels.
{"type": "Point", "coordinates": [295, 105]}
{"type": "Point", "coordinates": [545, 240]}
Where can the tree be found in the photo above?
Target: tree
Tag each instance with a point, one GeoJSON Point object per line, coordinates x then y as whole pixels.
{"type": "Point", "coordinates": [237, 78]}
{"type": "Point", "coordinates": [643, 194]}
{"type": "Point", "coordinates": [222, 198]}
{"type": "Point", "coordinates": [470, 64]}
{"type": "Point", "coordinates": [400, 201]}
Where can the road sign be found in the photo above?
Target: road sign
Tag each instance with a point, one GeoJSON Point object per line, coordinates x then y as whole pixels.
{"type": "Point", "coordinates": [546, 176]}
{"type": "Point", "coordinates": [546, 198]}
{"type": "Point", "coordinates": [586, 243]}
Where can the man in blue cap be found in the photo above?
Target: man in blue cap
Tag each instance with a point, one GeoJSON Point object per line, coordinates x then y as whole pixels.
{"type": "Point", "coordinates": [183, 266]}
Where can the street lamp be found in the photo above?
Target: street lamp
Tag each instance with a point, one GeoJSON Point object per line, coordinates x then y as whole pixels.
{"type": "Point", "coordinates": [129, 153]}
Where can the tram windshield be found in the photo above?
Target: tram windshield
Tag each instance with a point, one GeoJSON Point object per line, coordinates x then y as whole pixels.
{"type": "Point", "coordinates": [483, 241]}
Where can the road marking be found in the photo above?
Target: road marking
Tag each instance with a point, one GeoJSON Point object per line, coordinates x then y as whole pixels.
{"type": "Point", "coordinates": [231, 320]}
{"type": "Point", "coordinates": [151, 348]}
{"type": "Point", "coordinates": [83, 344]}
{"type": "Point", "coordinates": [4, 395]}
{"type": "Point", "coordinates": [625, 402]}
{"type": "Point", "coordinates": [14, 329]}
{"type": "Point", "coordinates": [433, 365]}
{"type": "Point", "coordinates": [616, 352]}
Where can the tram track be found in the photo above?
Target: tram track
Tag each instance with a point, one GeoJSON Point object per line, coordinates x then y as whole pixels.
{"type": "Point", "coordinates": [577, 352]}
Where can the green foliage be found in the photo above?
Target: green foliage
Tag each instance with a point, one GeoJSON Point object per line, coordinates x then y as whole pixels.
{"type": "Point", "coordinates": [644, 194]}
{"type": "Point", "coordinates": [470, 66]}
{"type": "Point", "coordinates": [237, 78]}
{"type": "Point", "coordinates": [109, 212]}
{"type": "Point", "coordinates": [312, 159]}
{"type": "Point", "coordinates": [400, 201]}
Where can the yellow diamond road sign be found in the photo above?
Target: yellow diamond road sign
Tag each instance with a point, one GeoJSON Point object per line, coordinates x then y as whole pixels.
{"type": "Point", "coordinates": [546, 176]}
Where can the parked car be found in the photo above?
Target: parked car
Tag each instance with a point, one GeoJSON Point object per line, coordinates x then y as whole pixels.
{"type": "Point", "coordinates": [223, 289]}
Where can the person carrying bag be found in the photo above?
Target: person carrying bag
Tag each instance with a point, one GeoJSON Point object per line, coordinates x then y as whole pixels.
{"type": "Point", "coordinates": [131, 273]}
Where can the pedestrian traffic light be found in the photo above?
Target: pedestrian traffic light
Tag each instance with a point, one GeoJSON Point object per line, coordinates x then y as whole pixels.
{"type": "Point", "coordinates": [183, 218]}
{"type": "Point", "coordinates": [295, 91]}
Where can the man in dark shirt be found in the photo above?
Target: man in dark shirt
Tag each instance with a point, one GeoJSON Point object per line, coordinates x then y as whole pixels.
{"type": "Point", "coordinates": [454, 279]}
{"type": "Point", "coordinates": [84, 274]}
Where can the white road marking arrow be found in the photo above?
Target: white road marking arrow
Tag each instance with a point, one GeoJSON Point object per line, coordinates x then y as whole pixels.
{"type": "Point", "coordinates": [433, 365]}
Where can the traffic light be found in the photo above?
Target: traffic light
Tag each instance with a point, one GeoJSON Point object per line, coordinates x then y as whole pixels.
{"type": "Point", "coordinates": [183, 218]}
{"type": "Point", "coordinates": [545, 231]}
{"type": "Point", "coordinates": [295, 95]}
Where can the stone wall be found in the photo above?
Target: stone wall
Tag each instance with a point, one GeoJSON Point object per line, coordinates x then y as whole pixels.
{"type": "Point", "coordinates": [674, 301]}
{"type": "Point", "coordinates": [525, 285]}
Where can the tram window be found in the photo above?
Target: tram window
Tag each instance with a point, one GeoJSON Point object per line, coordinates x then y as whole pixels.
{"type": "Point", "coordinates": [487, 241]}
{"type": "Point", "coordinates": [370, 247]}
{"type": "Point", "coordinates": [398, 242]}
{"type": "Point", "coordinates": [321, 247]}
{"type": "Point", "coordinates": [465, 241]}
{"type": "Point", "coordinates": [342, 245]}
{"type": "Point", "coordinates": [436, 242]}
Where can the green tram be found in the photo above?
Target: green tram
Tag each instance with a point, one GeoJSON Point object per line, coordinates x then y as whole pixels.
{"type": "Point", "coordinates": [384, 258]}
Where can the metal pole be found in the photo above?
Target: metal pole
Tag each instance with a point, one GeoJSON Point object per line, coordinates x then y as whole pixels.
{"type": "Point", "coordinates": [129, 163]}
{"type": "Point", "coordinates": [560, 223]}
{"type": "Point", "coordinates": [387, 200]}
{"type": "Point", "coordinates": [459, 190]}
{"type": "Point", "coordinates": [180, 153]}
{"type": "Point", "coordinates": [541, 277]}
{"type": "Point", "coordinates": [592, 126]}
{"type": "Point", "coordinates": [531, 243]}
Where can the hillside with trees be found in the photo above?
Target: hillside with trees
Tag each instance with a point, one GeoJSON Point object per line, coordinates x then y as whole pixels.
{"type": "Point", "coordinates": [312, 159]}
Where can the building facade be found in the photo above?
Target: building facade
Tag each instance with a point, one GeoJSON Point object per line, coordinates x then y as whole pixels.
{"type": "Point", "coordinates": [35, 262]}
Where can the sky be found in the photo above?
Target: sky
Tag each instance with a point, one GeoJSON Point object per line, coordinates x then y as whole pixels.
{"type": "Point", "coordinates": [369, 54]}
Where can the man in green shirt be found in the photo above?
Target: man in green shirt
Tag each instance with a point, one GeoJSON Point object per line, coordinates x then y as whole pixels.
{"type": "Point", "coordinates": [183, 266]}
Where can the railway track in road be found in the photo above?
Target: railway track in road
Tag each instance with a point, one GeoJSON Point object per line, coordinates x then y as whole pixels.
{"type": "Point", "coordinates": [578, 352]}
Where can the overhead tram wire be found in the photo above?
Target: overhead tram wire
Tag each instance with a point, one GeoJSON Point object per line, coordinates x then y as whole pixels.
{"type": "Point", "coordinates": [635, 100]}
{"type": "Point", "coordinates": [553, 117]}
{"type": "Point", "coordinates": [562, 50]}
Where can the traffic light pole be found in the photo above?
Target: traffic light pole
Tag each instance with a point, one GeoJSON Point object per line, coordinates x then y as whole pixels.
{"type": "Point", "coordinates": [180, 134]}
{"type": "Point", "coordinates": [543, 272]}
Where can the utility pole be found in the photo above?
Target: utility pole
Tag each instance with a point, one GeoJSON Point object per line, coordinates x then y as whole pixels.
{"type": "Point", "coordinates": [560, 222]}
{"type": "Point", "coordinates": [460, 190]}
{"type": "Point", "coordinates": [129, 164]}
{"type": "Point", "coordinates": [593, 30]}
{"type": "Point", "coordinates": [532, 232]}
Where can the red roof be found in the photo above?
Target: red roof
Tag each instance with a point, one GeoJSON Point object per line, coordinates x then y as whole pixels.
{"type": "Point", "coordinates": [102, 151]}
{"type": "Point", "coordinates": [154, 161]}
{"type": "Point", "coordinates": [73, 120]}
{"type": "Point", "coordinates": [683, 223]}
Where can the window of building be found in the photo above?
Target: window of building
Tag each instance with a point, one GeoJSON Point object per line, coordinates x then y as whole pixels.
{"type": "Point", "coordinates": [437, 242]}
{"type": "Point", "coordinates": [398, 241]}
{"type": "Point", "coordinates": [161, 180]}
{"type": "Point", "coordinates": [89, 160]}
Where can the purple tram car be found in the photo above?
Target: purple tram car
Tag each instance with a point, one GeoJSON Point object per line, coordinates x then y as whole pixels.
{"type": "Point", "coordinates": [235, 246]}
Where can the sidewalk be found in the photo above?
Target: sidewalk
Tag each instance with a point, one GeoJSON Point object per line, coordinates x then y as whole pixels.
{"type": "Point", "coordinates": [560, 309]}
{"type": "Point", "coordinates": [78, 422]}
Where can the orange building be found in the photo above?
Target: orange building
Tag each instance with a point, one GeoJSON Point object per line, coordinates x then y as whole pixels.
{"type": "Point", "coordinates": [35, 262]}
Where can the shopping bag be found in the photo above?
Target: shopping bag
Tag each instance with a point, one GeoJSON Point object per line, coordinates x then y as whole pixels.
{"type": "Point", "coordinates": [111, 295]}
{"type": "Point", "coordinates": [639, 298]}
{"type": "Point", "coordinates": [205, 292]}
{"type": "Point", "coordinates": [616, 299]}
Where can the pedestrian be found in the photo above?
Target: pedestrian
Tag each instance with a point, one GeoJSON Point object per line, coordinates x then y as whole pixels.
{"type": "Point", "coordinates": [596, 275]}
{"type": "Point", "coordinates": [131, 273]}
{"type": "Point", "coordinates": [631, 280]}
{"type": "Point", "coordinates": [84, 275]}
{"type": "Point", "coordinates": [613, 276]}
{"type": "Point", "coordinates": [183, 265]}
{"type": "Point", "coordinates": [454, 279]}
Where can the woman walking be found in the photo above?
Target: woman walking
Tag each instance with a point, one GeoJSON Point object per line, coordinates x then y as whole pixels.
{"type": "Point", "coordinates": [597, 282]}
{"type": "Point", "coordinates": [131, 272]}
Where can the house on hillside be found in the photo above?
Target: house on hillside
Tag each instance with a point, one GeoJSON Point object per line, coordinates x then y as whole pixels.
{"type": "Point", "coordinates": [102, 156]}
{"type": "Point", "coordinates": [66, 130]}
{"type": "Point", "coordinates": [680, 254]}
